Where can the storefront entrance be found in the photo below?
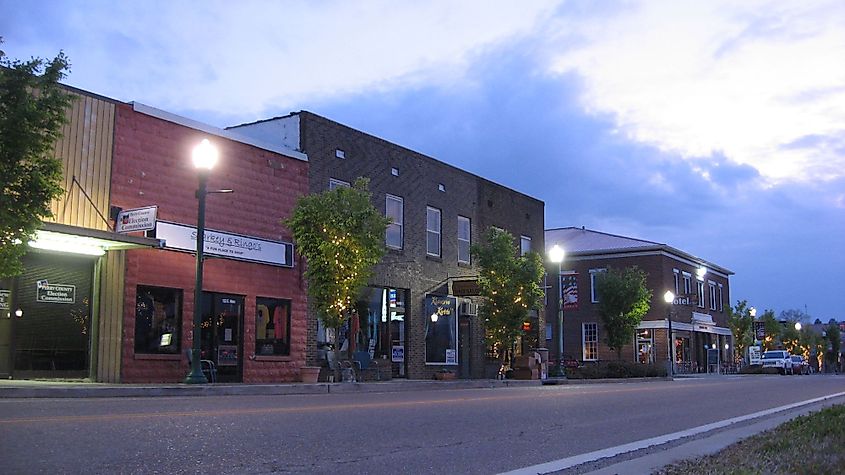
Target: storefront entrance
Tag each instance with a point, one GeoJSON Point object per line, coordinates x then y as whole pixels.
{"type": "Point", "coordinates": [222, 334]}
{"type": "Point", "coordinates": [48, 332]}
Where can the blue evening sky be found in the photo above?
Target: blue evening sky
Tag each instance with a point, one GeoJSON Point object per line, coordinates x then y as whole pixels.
{"type": "Point", "coordinates": [716, 127]}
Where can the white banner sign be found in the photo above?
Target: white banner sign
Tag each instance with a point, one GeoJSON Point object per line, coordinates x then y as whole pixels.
{"type": "Point", "coordinates": [754, 355]}
{"type": "Point", "coordinates": [232, 246]}
{"type": "Point", "coordinates": [138, 219]}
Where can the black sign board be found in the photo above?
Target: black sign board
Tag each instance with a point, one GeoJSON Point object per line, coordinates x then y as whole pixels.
{"type": "Point", "coordinates": [465, 288]}
{"type": "Point", "coordinates": [712, 356]}
{"type": "Point", "coordinates": [760, 330]}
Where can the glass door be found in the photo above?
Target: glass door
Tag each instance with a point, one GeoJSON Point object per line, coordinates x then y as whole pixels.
{"type": "Point", "coordinates": [222, 334]}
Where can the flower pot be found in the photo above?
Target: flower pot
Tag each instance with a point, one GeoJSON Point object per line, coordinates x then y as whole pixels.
{"type": "Point", "coordinates": [444, 376]}
{"type": "Point", "coordinates": [309, 374]}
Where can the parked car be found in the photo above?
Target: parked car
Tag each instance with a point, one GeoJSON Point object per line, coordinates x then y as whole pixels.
{"type": "Point", "coordinates": [799, 365]}
{"type": "Point", "coordinates": [779, 359]}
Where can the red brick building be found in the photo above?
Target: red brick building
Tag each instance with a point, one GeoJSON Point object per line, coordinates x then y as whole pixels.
{"type": "Point", "coordinates": [699, 313]}
{"type": "Point", "coordinates": [254, 296]}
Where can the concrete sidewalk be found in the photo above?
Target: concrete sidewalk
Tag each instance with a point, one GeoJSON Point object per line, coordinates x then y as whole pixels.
{"type": "Point", "coordinates": [82, 389]}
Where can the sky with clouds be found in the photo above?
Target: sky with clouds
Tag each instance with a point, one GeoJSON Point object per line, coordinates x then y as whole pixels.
{"type": "Point", "coordinates": [716, 127]}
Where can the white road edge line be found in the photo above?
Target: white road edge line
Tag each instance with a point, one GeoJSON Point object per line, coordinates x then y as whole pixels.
{"type": "Point", "coordinates": [562, 464]}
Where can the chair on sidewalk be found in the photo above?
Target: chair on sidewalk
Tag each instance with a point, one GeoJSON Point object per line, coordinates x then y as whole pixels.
{"type": "Point", "coordinates": [363, 360]}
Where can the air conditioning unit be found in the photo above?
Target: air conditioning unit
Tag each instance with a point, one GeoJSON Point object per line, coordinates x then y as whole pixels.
{"type": "Point", "coordinates": [468, 308]}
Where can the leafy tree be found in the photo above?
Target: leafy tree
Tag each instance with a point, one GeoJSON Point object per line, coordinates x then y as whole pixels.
{"type": "Point", "coordinates": [623, 300]}
{"type": "Point", "coordinates": [772, 328]}
{"type": "Point", "coordinates": [790, 337]}
{"type": "Point", "coordinates": [510, 287]}
{"type": "Point", "coordinates": [32, 111]}
{"type": "Point", "coordinates": [811, 343]}
{"type": "Point", "coordinates": [740, 323]}
{"type": "Point", "coordinates": [341, 236]}
{"type": "Point", "coordinates": [833, 343]}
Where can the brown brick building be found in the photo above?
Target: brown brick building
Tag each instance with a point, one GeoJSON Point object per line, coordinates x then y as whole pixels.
{"type": "Point", "coordinates": [438, 211]}
{"type": "Point", "coordinates": [699, 314]}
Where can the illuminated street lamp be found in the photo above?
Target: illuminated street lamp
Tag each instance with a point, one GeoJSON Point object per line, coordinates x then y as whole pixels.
{"type": "Point", "coordinates": [798, 326]}
{"type": "Point", "coordinates": [556, 254]}
{"type": "Point", "coordinates": [669, 298]}
{"type": "Point", "coordinates": [205, 157]}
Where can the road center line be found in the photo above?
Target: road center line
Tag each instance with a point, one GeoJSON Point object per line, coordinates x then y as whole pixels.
{"type": "Point", "coordinates": [569, 462]}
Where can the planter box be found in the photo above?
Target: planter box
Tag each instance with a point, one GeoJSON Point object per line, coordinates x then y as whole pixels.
{"type": "Point", "coordinates": [444, 376]}
{"type": "Point", "coordinates": [309, 374]}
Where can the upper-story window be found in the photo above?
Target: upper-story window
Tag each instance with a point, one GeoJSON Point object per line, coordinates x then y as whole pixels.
{"type": "Point", "coordinates": [594, 297]}
{"type": "Point", "coordinates": [334, 183]}
{"type": "Point", "coordinates": [721, 299]}
{"type": "Point", "coordinates": [463, 239]}
{"type": "Point", "coordinates": [700, 289]}
{"type": "Point", "coordinates": [432, 228]}
{"type": "Point", "coordinates": [687, 283]}
{"type": "Point", "coordinates": [524, 245]}
{"type": "Point", "coordinates": [676, 274]}
{"type": "Point", "coordinates": [394, 210]}
{"type": "Point", "coordinates": [712, 290]}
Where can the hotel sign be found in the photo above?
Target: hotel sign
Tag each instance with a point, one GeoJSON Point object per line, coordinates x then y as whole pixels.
{"type": "Point", "coordinates": [138, 219]}
{"type": "Point", "coordinates": [227, 245]}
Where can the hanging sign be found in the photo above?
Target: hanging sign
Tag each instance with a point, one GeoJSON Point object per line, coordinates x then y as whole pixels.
{"type": "Point", "coordinates": [569, 286]}
{"type": "Point", "coordinates": [138, 219]}
{"type": "Point", "coordinates": [228, 245]}
{"type": "Point", "coordinates": [46, 292]}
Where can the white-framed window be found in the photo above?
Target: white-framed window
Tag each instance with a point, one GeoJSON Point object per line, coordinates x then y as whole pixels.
{"type": "Point", "coordinates": [712, 290]}
{"type": "Point", "coordinates": [700, 292]}
{"type": "Point", "coordinates": [432, 231]}
{"type": "Point", "coordinates": [593, 273]}
{"type": "Point", "coordinates": [721, 299]}
{"type": "Point", "coordinates": [464, 242]}
{"type": "Point", "coordinates": [395, 212]}
{"type": "Point", "coordinates": [394, 171]}
{"type": "Point", "coordinates": [524, 245]}
{"type": "Point", "coordinates": [441, 187]}
{"type": "Point", "coordinates": [339, 153]}
{"type": "Point", "coordinates": [687, 283]}
{"type": "Point", "coordinates": [335, 183]}
{"type": "Point", "coordinates": [590, 341]}
{"type": "Point", "coordinates": [676, 274]}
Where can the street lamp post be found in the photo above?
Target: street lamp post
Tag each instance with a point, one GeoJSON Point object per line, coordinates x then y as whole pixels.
{"type": "Point", "coordinates": [204, 157]}
{"type": "Point", "coordinates": [669, 298]}
{"type": "Point", "coordinates": [556, 254]}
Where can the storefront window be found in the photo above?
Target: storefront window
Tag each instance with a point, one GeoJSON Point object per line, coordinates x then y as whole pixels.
{"type": "Point", "coordinates": [158, 320]}
{"type": "Point", "coordinates": [441, 333]}
{"type": "Point", "coordinates": [272, 330]}
{"type": "Point", "coordinates": [380, 325]}
{"type": "Point", "coordinates": [645, 346]}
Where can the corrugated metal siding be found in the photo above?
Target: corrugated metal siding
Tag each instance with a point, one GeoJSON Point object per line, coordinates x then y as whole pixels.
{"type": "Point", "coordinates": [111, 317]}
{"type": "Point", "coordinates": [86, 152]}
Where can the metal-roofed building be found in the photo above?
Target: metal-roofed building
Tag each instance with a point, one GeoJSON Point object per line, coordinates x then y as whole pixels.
{"type": "Point", "coordinates": [699, 313]}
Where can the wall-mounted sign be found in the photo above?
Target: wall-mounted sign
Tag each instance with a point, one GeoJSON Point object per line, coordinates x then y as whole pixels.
{"type": "Point", "coordinates": [46, 292]}
{"type": "Point", "coordinates": [228, 245]}
{"type": "Point", "coordinates": [5, 296]}
{"type": "Point", "coordinates": [138, 219]}
{"type": "Point", "coordinates": [465, 288]}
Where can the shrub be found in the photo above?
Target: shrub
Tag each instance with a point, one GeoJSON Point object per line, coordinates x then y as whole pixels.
{"type": "Point", "coordinates": [616, 369]}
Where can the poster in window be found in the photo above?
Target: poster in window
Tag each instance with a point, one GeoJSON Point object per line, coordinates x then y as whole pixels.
{"type": "Point", "coordinates": [398, 354]}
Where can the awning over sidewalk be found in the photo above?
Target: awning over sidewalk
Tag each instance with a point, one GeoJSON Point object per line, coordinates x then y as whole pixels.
{"type": "Point", "coordinates": [95, 242]}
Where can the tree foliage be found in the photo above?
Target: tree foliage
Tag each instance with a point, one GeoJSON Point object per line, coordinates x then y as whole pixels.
{"type": "Point", "coordinates": [624, 299]}
{"type": "Point", "coordinates": [834, 344]}
{"type": "Point", "coordinates": [341, 236]}
{"type": "Point", "coordinates": [740, 323]}
{"type": "Point", "coordinates": [32, 111]}
{"type": "Point", "coordinates": [772, 330]}
{"type": "Point", "coordinates": [509, 284]}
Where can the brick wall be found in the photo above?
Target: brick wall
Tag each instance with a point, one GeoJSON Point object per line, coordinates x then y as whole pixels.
{"type": "Point", "coordinates": [152, 166]}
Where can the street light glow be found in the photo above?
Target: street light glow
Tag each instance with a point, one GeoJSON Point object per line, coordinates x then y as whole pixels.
{"type": "Point", "coordinates": [798, 326]}
{"type": "Point", "coordinates": [556, 254]}
{"type": "Point", "coordinates": [753, 312]}
{"type": "Point", "coordinates": [205, 155]}
{"type": "Point", "coordinates": [700, 272]}
{"type": "Point", "coordinates": [669, 296]}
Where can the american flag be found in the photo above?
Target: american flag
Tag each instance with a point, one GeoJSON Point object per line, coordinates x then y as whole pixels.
{"type": "Point", "coordinates": [569, 284]}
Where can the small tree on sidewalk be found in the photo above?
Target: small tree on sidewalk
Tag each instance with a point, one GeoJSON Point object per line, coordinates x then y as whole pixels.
{"type": "Point", "coordinates": [341, 236]}
{"type": "Point", "coordinates": [740, 322]}
{"type": "Point", "coordinates": [510, 287]}
{"type": "Point", "coordinates": [623, 300]}
{"type": "Point", "coordinates": [32, 111]}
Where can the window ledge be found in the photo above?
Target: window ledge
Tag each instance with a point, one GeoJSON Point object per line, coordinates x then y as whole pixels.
{"type": "Point", "coordinates": [272, 358]}
{"type": "Point", "coordinates": [155, 356]}
{"type": "Point", "coordinates": [434, 258]}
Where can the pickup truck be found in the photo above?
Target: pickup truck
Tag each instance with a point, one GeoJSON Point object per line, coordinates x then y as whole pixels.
{"type": "Point", "coordinates": [779, 359]}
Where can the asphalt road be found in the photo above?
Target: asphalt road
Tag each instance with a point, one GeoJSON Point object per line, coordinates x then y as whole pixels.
{"type": "Point", "coordinates": [444, 431]}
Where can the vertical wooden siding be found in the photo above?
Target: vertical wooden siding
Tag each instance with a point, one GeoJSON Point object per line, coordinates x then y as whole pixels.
{"type": "Point", "coordinates": [110, 322]}
{"type": "Point", "coordinates": [86, 152]}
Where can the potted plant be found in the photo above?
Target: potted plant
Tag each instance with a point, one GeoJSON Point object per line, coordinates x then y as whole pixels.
{"type": "Point", "coordinates": [309, 374]}
{"type": "Point", "coordinates": [444, 375]}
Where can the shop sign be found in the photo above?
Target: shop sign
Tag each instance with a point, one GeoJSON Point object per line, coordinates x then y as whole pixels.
{"type": "Point", "coordinates": [754, 356]}
{"type": "Point", "coordinates": [227, 245]}
{"type": "Point", "coordinates": [5, 296]}
{"type": "Point", "coordinates": [137, 219]}
{"type": "Point", "coordinates": [227, 355]}
{"type": "Point", "coordinates": [46, 292]}
{"type": "Point", "coordinates": [397, 354]}
{"type": "Point", "coordinates": [760, 330]}
{"type": "Point", "coordinates": [465, 288]}
{"type": "Point", "coordinates": [451, 356]}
